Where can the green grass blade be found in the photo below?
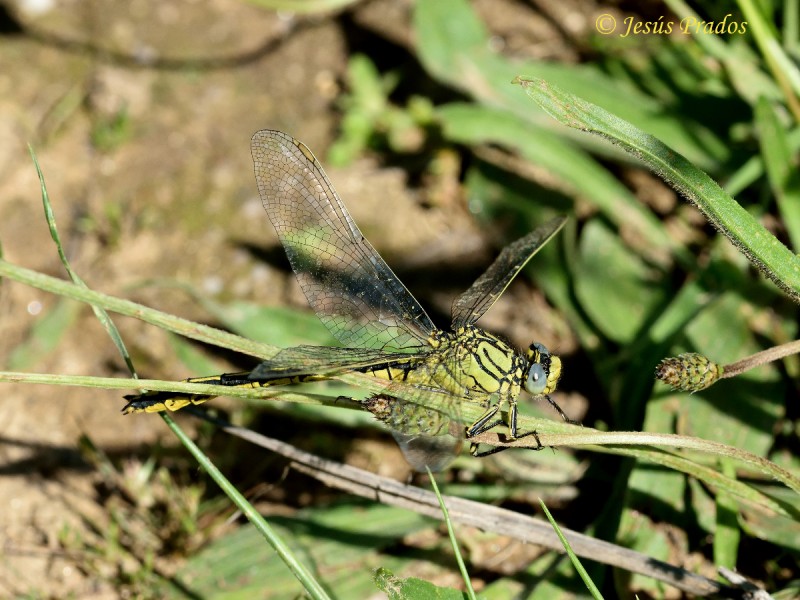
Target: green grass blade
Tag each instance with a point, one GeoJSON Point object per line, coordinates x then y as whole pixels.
{"type": "Point", "coordinates": [474, 124]}
{"type": "Point", "coordinates": [727, 534]}
{"type": "Point", "coordinates": [101, 314]}
{"type": "Point", "coordinates": [305, 577]}
{"type": "Point", "coordinates": [452, 534]}
{"type": "Point", "coordinates": [643, 446]}
{"type": "Point", "coordinates": [781, 167]}
{"type": "Point", "coordinates": [753, 168]}
{"type": "Point", "coordinates": [771, 257]}
{"type": "Point", "coordinates": [576, 562]}
{"type": "Point", "coordinates": [190, 329]}
{"type": "Point", "coordinates": [783, 69]}
{"type": "Point", "coordinates": [638, 444]}
{"type": "Point", "coordinates": [453, 45]}
{"type": "Point", "coordinates": [312, 586]}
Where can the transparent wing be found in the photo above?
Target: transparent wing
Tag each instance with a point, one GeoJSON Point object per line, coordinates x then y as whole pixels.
{"type": "Point", "coordinates": [423, 416]}
{"type": "Point", "coordinates": [424, 410]}
{"type": "Point", "coordinates": [471, 305]}
{"type": "Point", "coordinates": [347, 283]}
{"type": "Point", "coordinates": [424, 421]}
{"type": "Point", "coordinates": [322, 360]}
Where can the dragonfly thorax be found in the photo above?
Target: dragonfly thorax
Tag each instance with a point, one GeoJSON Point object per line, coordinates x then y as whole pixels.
{"type": "Point", "coordinates": [481, 364]}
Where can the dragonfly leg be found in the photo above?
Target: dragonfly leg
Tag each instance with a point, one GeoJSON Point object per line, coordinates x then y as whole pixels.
{"type": "Point", "coordinates": [483, 424]}
{"type": "Point", "coordinates": [473, 449]}
{"type": "Point", "coordinates": [558, 409]}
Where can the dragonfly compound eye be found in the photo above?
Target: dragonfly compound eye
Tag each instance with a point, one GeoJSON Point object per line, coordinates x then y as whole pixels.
{"type": "Point", "coordinates": [536, 383]}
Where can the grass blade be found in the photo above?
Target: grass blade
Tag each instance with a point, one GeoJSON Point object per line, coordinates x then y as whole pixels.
{"type": "Point", "coordinates": [452, 534]}
{"type": "Point", "coordinates": [576, 562]}
{"type": "Point", "coordinates": [771, 257]}
{"type": "Point", "coordinates": [305, 577]}
{"type": "Point", "coordinates": [101, 314]}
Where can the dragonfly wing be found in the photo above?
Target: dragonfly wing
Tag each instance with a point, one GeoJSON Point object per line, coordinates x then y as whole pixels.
{"type": "Point", "coordinates": [471, 305]}
{"type": "Point", "coordinates": [423, 422]}
{"type": "Point", "coordinates": [347, 283]}
{"type": "Point", "coordinates": [424, 410]}
{"type": "Point", "coordinates": [322, 360]}
{"type": "Point", "coordinates": [426, 451]}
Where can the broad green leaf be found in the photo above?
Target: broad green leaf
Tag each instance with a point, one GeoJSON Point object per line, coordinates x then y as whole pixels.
{"type": "Point", "coordinates": [410, 588]}
{"type": "Point", "coordinates": [741, 412]}
{"type": "Point", "coordinates": [639, 532]}
{"type": "Point", "coordinates": [343, 542]}
{"type": "Point", "coordinates": [774, 259]}
{"type": "Point", "coordinates": [774, 528]}
{"type": "Point", "coordinates": [659, 491]}
{"type": "Point", "coordinates": [453, 45]}
{"type": "Point", "coordinates": [614, 286]}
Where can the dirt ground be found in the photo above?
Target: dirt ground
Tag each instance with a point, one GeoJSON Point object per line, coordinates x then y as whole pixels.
{"type": "Point", "coordinates": [173, 197]}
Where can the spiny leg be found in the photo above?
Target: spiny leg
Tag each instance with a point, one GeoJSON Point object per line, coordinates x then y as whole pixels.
{"type": "Point", "coordinates": [558, 409]}
{"type": "Point", "coordinates": [480, 426]}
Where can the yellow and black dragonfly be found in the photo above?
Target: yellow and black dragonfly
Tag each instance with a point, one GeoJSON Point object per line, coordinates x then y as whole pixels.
{"type": "Point", "coordinates": [384, 330]}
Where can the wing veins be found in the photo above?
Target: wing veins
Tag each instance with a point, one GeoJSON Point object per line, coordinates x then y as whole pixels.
{"type": "Point", "coordinates": [481, 295]}
{"type": "Point", "coordinates": [347, 283]}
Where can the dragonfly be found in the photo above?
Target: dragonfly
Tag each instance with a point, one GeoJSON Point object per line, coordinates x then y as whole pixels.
{"type": "Point", "coordinates": [430, 373]}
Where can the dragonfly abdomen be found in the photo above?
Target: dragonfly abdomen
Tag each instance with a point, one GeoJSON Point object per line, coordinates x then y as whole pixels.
{"type": "Point", "coordinates": [393, 371]}
{"type": "Point", "coordinates": [162, 401]}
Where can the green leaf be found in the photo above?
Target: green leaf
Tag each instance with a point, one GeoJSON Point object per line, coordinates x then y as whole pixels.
{"type": "Point", "coordinates": [771, 527]}
{"type": "Point", "coordinates": [726, 531]}
{"type": "Point", "coordinates": [45, 334]}
{"type": "Point", "coordinates": [274, 325]}
{"type": "Point", "coordinates": [364, 104]}
{"type": "Point", "coordinates": [584, 575]}
{"type": "Point", "coordinates": [641, 533]}
{"type": "Point", "coordinates": [343, 541]}
{"type": "Point", "coordinates": [405, 589]}
{"type": "Point", "coordinates": [771, 257]}
{"type": "Point", "coordinates": [746, 420]}
{"type": "Point", "coordinates": [470, 124]}
{"type": "Point", "coordinates": [614, 286]}
{"type": "Point", "coordinates": [782, 166]}
{"type": "Point", "coordinates": [453, 45]}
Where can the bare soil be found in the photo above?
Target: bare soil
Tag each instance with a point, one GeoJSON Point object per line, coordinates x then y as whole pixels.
{"type": "Point", "coordinates": [172, 197]}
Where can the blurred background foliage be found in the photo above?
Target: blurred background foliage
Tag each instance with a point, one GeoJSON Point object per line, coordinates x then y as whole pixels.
{"type": "Point", "coordinates": [421, 91]}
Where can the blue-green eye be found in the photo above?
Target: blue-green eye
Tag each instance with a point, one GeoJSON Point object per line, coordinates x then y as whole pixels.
{"type": "Point", "coordinates": [536, 383]}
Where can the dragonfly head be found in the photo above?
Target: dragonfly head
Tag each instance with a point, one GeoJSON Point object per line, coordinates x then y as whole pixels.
{"type": "Point", "coordinates": [544, 370]}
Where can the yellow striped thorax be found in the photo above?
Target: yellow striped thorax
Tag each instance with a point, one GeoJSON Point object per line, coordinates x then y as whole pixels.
{"type": "Point", "coordinates": [472, 364]}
